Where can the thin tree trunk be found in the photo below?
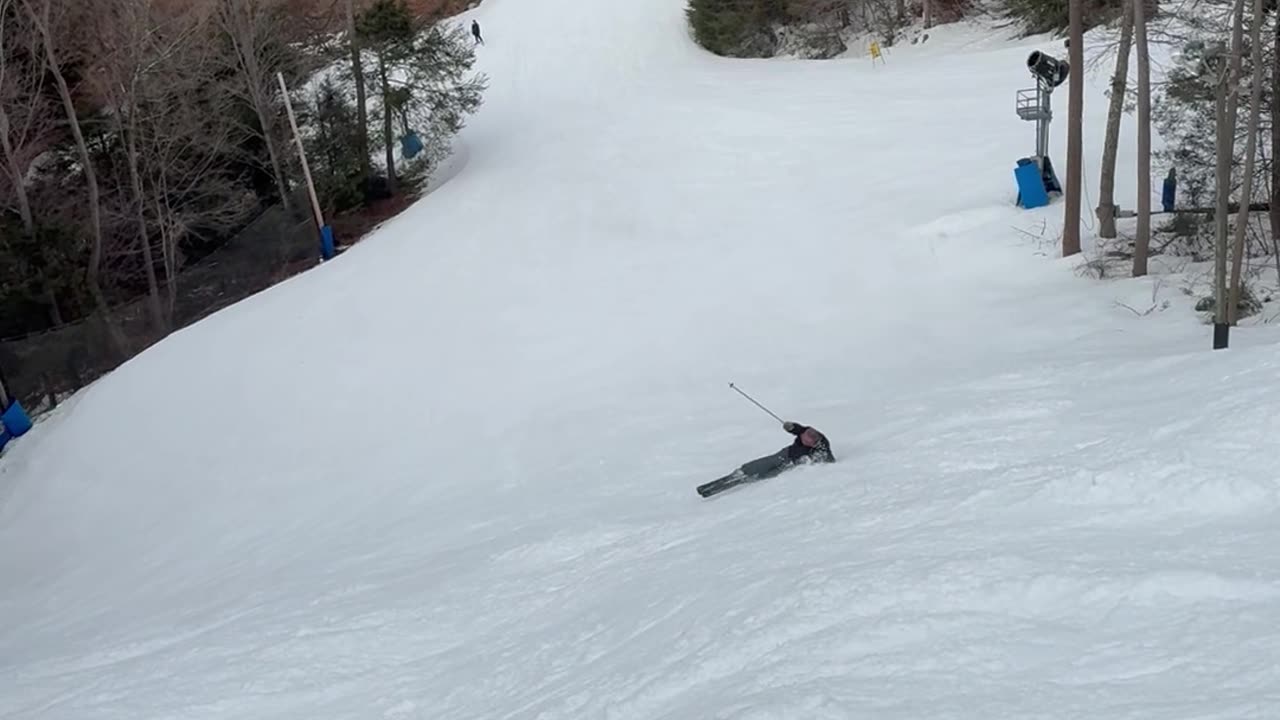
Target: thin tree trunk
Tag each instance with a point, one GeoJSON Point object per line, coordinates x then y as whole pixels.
{"type": "Point", "coordinates": [387, 131]}
{"type": "Point", "coordinates": [1275, 141]}
{"type": "Point", "coordinates": [15, 174]}
{"type": "Point", "coordinates": [282, 182]}
{"type": "Point", "coordinates": [928, 14]}
{"type": "Point", "coordinates": [20, 188]}
{"type": "Point", "coordinates": [92, 276]}
{"type": "Point", "coordinates": [158, 322]}
{"type": "Point", "coordinates": [244, 28]}
{"type": "Point", "coordinates": [1119, 82]}
{"type": "Point", "coordinates": [1143, 242]}
{"type": "Point", "coordinates": [362, 107]}
{"type": "Point", "coordinates": [167, 254]}
{"type": "Point", "coordinates": [51, 300]}
{"type": "Point", "coordinates": [262, 105]}
{"type": "Point", "coordinates": [1250, 150]}
{"type": "Point", "coordinates": [1075, 132]}
{"type": "Point", "coordinates": [169, 244]}
{"type": "Point", "coordinates": [1222, 180]}
{"type": "Point", "coordinates": [25, 214]}
{"type": "Point", "coordinates": [130, 135]}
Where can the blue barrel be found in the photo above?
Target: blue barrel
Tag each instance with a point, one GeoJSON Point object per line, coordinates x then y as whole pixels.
{"type": "Point", "coordinates": [326, 242]}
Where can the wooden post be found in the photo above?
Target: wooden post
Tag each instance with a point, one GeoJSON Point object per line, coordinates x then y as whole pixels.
{"type": "Point", "coordinates": [302, 154]}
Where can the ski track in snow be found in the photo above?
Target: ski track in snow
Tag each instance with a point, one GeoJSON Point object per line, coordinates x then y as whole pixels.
{"type": "Point", "coordinates": [451, 474]}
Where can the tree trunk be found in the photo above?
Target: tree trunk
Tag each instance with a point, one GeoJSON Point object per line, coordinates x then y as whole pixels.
{"type": "Point", "coordinates": [362, 107]}
{"type": "Point", "coordinates": [1222, 181]}
{"type": "Point", "coordinates": [1251, 146]}
{"type": "Point", "coordinates": [1227, 101]}
{"type": "Point", "coordinates": [245, 28]}
{"type": "Point", "coordinates": [92, 276]}
{"type": "Point", "coordinates": [387, 131]}
{"type": "Point", "coordinates": [282, 183]}
{"type": "Point", "coordinates": [15, 173]}
{"type": "Point", "coordinates": [1075, 131]}
{"type": "Point", "coordinates": [928, 14]}
{"type": "Point", "coordinates": [25, 214]}
{"type": "Point", "coordinates": [1119, 81]}
{"type": "Point", "coordinates": [1143, 242]}
{"type": "Point", "coordinates": [1275, 141]}
{"type": "Point", "coordinates": [129, 136]}
{"type": "Point", "coordinates": [168, 249]}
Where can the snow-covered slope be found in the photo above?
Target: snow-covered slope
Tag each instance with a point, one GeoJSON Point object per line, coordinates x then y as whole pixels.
{"type": "Point", "coordinates": [451, 474]}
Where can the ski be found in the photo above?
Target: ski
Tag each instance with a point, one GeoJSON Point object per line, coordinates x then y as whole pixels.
{"type": "Point", "coordinates": [729, 481]}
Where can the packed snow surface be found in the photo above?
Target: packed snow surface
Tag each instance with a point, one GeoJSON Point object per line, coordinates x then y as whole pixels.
{"type": "Point", "coordinates": [450, 475]}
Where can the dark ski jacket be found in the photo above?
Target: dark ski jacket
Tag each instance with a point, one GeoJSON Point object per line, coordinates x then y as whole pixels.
{"type": "Point", "coordinates": [798, 451]}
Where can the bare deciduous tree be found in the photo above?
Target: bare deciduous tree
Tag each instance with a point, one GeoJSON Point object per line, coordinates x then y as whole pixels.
{"type": "Point", "coordinates": [1143, 242]}
{"type": "Point", "coordinates": [189, 134]}
{"type": "Point", "coordinates": [1119, 80]}
{"type": "Point", "coordinates": [362, 103]}
{"type": "Point", "coordinates": [124, 78]}
{"type": "Point", "coordinates": [39, 12]}
{"type": "Point", "coordinates": [16, 90]}
{"type": "Point", "coordinates": [1227, 102]}
{"type": "Point", "coordinates": [1275, 143]}
{"type": "Point", "coordinates": [25, 123]}
{"type": "Point", "coordinates": [255, 30]}
{"type": "Point", "coordinates": [1250, 152]}
{"type": "Point", "coordinates": [1075, 131]}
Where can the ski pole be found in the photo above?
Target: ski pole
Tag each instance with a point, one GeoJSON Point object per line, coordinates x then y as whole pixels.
{"type": "Point", "coordinates": [753, 400]}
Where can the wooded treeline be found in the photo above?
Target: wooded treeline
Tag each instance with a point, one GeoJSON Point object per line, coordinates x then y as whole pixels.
{"type": "Point", "coordinates": [1215, 111]}
{"type": "Point", "coordinates": [139, 136]}
{"type": "Point", "coordinates": [813, 28]}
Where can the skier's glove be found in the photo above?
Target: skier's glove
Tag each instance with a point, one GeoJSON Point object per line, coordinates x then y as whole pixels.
{"type": "Point", "coordinates": [789, 426]}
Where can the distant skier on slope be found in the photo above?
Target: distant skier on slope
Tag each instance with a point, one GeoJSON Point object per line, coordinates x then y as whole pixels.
{"type": "Point", "coordinates": [810, 446]}
{"type": "Point", "coordinates": [475, 32]}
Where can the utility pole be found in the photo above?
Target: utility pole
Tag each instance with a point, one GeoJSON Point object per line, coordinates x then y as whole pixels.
{"type": "Point", "coordinates": [326, 233]}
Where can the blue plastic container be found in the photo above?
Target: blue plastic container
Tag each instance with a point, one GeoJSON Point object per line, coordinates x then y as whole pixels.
{"type": "Point", "coordinates": [1031, 191]}
{"type": "Point", "coordinates": [411, 145]}
{"type": "Point", "coordinates": [15, 420]}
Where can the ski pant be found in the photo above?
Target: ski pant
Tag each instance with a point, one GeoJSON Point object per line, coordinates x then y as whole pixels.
{"type": "Point", "coordinates": [767, 466]}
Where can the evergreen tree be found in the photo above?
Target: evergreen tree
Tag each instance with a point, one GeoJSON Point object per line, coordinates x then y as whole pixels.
{"type": "Point", "coordinates": [1043, 16]}
{"type": "Point", "coordinates": [1184, 117]}
{"type": "Point", "coordinates": [334, 147]}
{"type": "Point", "coordinates": [736, 28]}
{"type": "Point", "coordinates": [420, 78]}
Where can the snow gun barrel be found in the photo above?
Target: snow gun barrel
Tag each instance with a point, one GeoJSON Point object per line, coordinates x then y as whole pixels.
{"type": "Point", "coordinates": [753, 400]}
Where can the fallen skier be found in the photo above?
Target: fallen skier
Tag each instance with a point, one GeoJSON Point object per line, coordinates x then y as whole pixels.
{"type": "Point", "coordinates": [810, 446]}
